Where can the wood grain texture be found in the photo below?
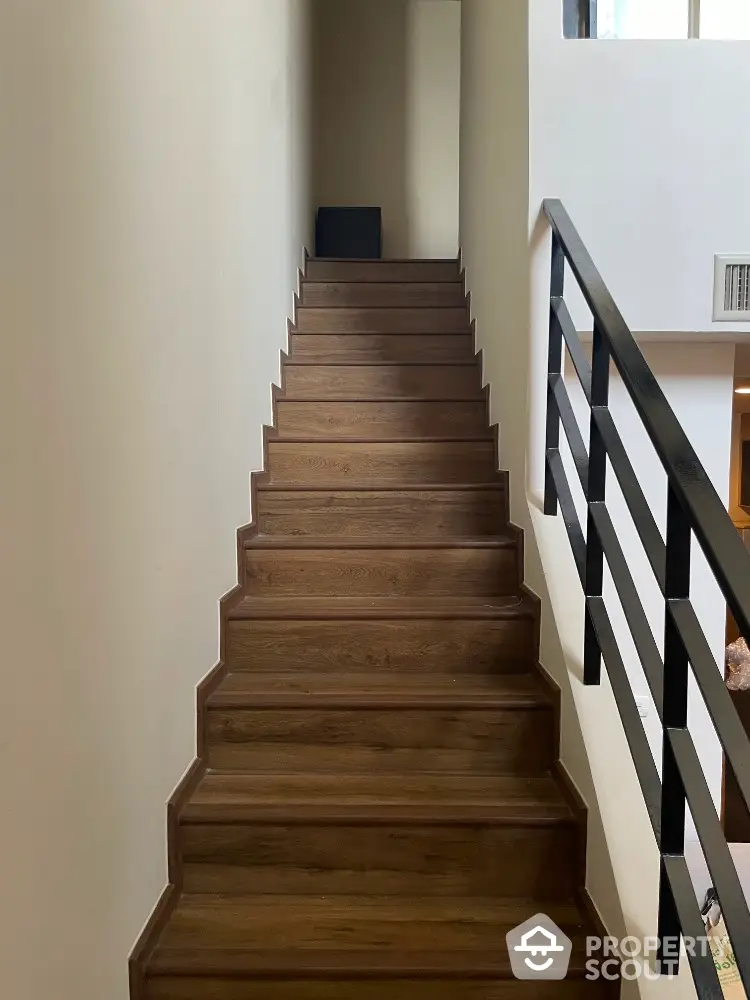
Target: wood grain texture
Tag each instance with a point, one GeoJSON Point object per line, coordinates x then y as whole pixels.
{"type": "Point", "coordinates": [392, 419]}
{"type": "Point", "coordinates": [460, 381]}
{"type": "Point", "coordinates": [377, 797]}
{"type": "Point", "coordinates": [394, 741]}
{"type": "Point", "coordinates": [343, 988]}
{"type": "Point", "coordinates": [372, 463]}
{"type": "Point", "coordinates": [355, 513]}
{"type": "Point", "coordinates": [448, 646]}
{"type": "Point", "coordinates": [377, 690]}
{"type": "Point", "coordinates": [381, 859]}
{"type": "Point", "coordinates": [337, 932]}
{"type": "Point", "coordinates": [382, 320]}
{"type": "Point", "coordinates": [382, 572]}
{"type": "Point", "coordinates": [367, 294]}
{"type": "Point", "coordinates": [382, 270]}
{"type": "Point", "coordinates": [369, 347]}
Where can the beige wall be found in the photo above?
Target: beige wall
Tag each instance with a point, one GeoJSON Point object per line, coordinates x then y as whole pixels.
{"type": "Point", "coordinates": [387, 83]}
{"type": "Point", "coordinates": [154, 203]}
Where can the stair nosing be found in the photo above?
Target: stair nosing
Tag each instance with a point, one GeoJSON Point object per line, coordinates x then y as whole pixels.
{"type": "Point", "coordinates": [349, 439]}
{"type": "Point", "coordinates": [392, 542]}
{"type": "Point", "coordinates": [406, 305]}
{"type": "Point", "coordinates": [294, 610]}
{"type": "Point", "coordinates": [295, 332]}
{"type": "Point", "coordinates": [292, 398]}
{"type": "Point", "coordinates": [385, 488]}
{"type": "Point", "coordinates": [375, 815]}
{"type": "Point", "coordinates": [417, 363]}
{"type": "Point", "coordinates": [318, 965]}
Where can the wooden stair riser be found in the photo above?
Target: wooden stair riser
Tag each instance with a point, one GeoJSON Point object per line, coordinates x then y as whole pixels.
{"type": "Point", "coordinates": [381, 419]}
{"type": "Point", "coordinates": [381, 740]}
{"type": "Point", "coordinates": [383, 320]}
{"type": "Point", "coordinates": [382, 860]}
{"type": "Point", "coordinates": [375, 463]}
{"type": "Point", "coordinates": [382, 988]}
{"type": "Point", "coordinates": [446, 647]}
{"type": "Point", "coordinates": [368, 347]}
{"type": "Point", "coordinates": [357, 382]}
{"type": "Point", "coordinates": [375, 803]}
{"type": "Point", "coordinates": [435, 572]}
{"type": "Point", "coordinates": [367, 294]}
{"type": "Point", "coordinates": [357, 513]}
{"type": "Point", "coordinates": [382, 270]}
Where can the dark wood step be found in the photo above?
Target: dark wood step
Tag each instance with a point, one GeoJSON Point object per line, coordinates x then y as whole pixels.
{"type": "Point", "coordinates": [438, 637]}
{"type": "Point", "coordinates": [385, 799]}
{"type": "Point", "coordinates": [372, 937]}
{"type": "Point", "coordinates": [386, 419]}
{"type": "Point", "coordinates": [368, 347]}
{"type": "Point", "coordinates": [352, 320]}
{"type": "Point", "coordinates": [381, 568]}
{"type": "Point", "coordinates": [366, 294]}
{"type": "Point", "coordinates": [375, 463]}
{"type": "Point", "coordinates": [402, 834]}
{"type": "Point", "coordinates": [345, 987]}
{"type": "Point", "coordinates": [382, 270]}
{"type": "Point", "coordinates": [404, 381]}
{"type": "Point", "coordinates": [381, 691]}
{"type": "Point", "coordinates": [456, 512]}
{"type": "Point", "coordinates": [468, 739]}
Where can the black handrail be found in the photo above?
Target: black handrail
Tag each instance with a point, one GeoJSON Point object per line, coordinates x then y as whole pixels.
{"type": "Point", "coordinates": [693, 509]}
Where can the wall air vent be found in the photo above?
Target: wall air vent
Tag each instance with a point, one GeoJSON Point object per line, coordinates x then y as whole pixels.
{"type": "Point", "coordinates": [731, 288]}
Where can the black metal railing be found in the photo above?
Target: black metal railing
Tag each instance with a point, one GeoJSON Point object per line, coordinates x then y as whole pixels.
{"type": "Point", "coordinates": [694, 510]}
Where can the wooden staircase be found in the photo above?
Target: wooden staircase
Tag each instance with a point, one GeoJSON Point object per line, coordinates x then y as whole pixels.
{"type": "Point", "coordinates": [377, 798]}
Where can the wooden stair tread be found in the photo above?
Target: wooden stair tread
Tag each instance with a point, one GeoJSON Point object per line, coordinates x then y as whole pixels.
{"type": "Point", "coordinates": [291, 362]}
{"type": "Point", "coordinates": [453, 398]}
{"type": "Point", "coordinates": [251, 689]}
{"type": "Point", "coordinates": [390, 487]}
{"type": "Point", "coordinates": [497, 607]}
{"type": "Point", "coordinates": [326, 797]}
{"type": "Point", "coordinates": [367, 936]}
{"type": "Point", "coordinates": [376, 801]}
{"type": "Point", "coordinates": [381, 439]}
{"type": "Point", "coordinates": [499, 541]}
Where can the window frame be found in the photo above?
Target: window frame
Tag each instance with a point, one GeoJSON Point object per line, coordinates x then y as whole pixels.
{"type": "Point", "coordinates": [579, 18]}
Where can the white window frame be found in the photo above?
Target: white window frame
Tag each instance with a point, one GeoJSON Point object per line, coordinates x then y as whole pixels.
{"type": "Point", "coordinates": [585, 10]}
{"type": "Point", "coordinates": [694, 19]}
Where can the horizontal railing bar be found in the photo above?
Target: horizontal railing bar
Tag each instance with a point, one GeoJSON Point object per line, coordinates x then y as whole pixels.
{"type": "Point", "coordinates": [702, 966]}
{"type": "Point", "coordinates": [643, 637]}
{"type": "Point", "coordinates": [715, 849]}
{"type": "Point", "coordinates": [640, 512]}
{"type": "Point", "coordinates": [716, 697]}
{"type": "Point", "coordinates": [640, 751]}
{"type": "Point", "coordinates": [717, 536]}
{"type": "Point", "coordinates": [573, 343]}
{"type": "Point", "coordinates": [571, 428]}
{"type": "Point", "coordinates": [568, 511]}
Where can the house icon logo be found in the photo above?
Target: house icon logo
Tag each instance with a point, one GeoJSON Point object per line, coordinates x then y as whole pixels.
{"type": "Point", "coordinates": [538, 949]}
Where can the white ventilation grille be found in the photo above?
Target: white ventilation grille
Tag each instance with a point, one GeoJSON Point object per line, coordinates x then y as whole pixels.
{"type": "Point", "coordinates": [732, 288]}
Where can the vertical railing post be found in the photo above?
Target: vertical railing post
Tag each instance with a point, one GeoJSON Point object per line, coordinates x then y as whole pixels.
{"type": "Point", "coordinates": [554, 367]}
{"type": "Point", "coordinates": [595, 493]}
{"type": "Point", "coordinates": [675, 706]}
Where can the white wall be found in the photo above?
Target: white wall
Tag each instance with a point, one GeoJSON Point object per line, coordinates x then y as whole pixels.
{"type": "Point", "coordinates": [387, 117]}
{"type": "Point", "coordinates": [539, 120]}
{"type": "Point", "coordinates": [639, 140]}
{"type": "Point", "coordinates": [154, 206]}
